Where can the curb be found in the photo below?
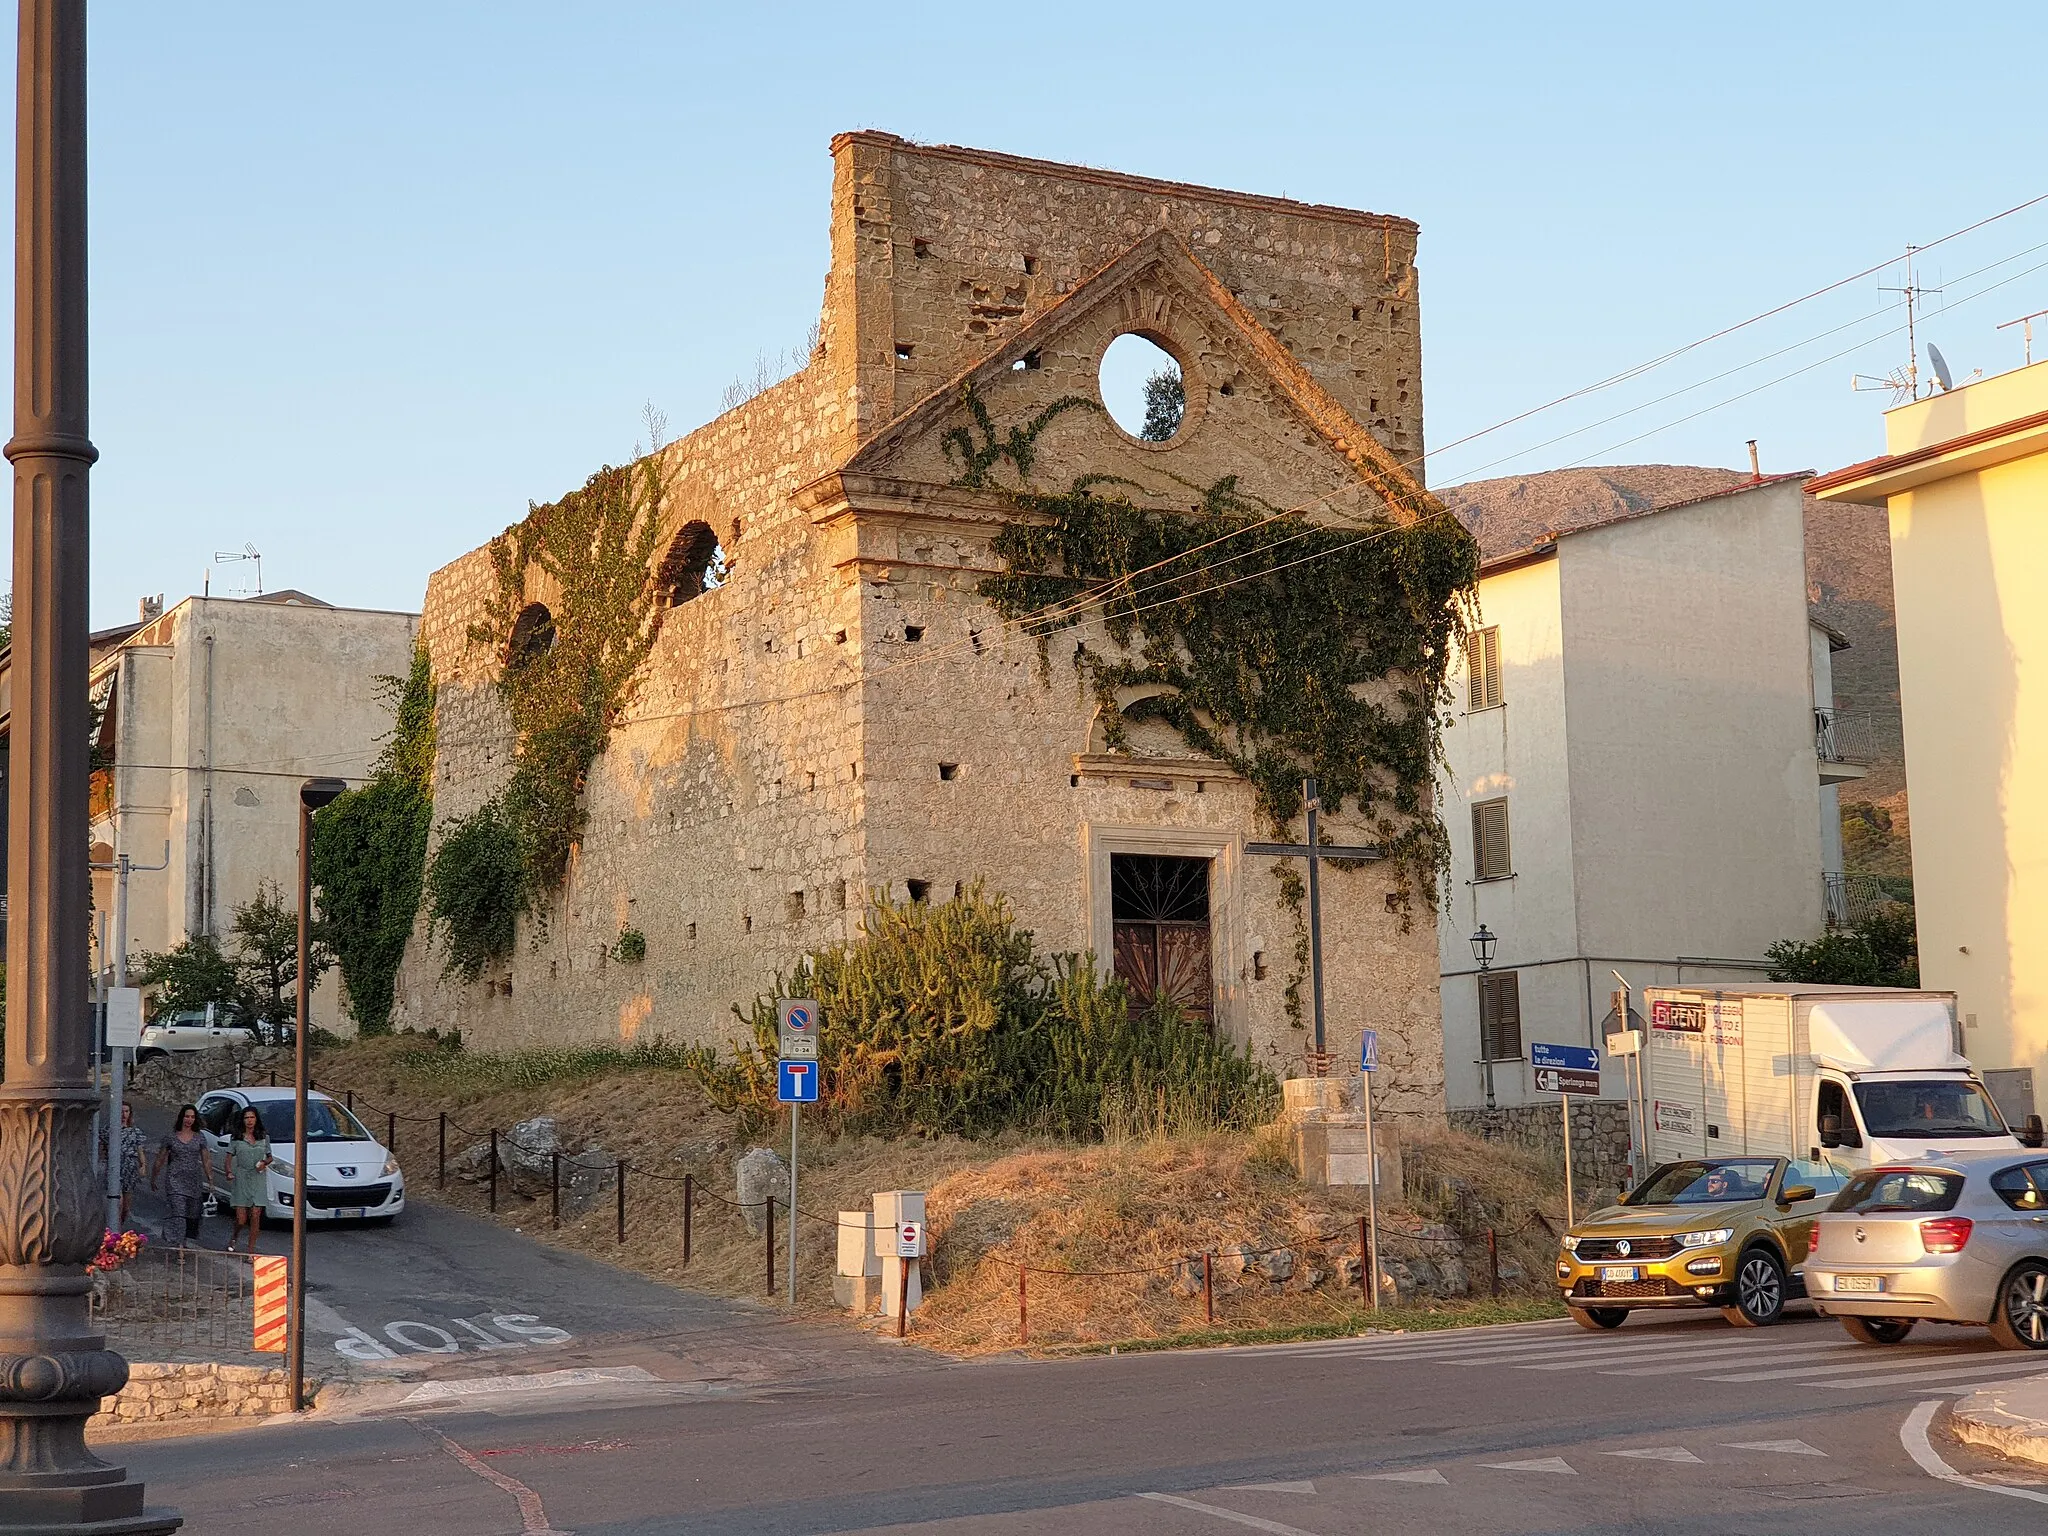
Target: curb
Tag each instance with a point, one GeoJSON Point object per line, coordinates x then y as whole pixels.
{"type": "Point", "coordinates": [2011, 1419]}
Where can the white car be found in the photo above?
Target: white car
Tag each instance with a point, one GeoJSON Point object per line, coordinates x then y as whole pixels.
{"type": "Point", "coordinates": [349, 1174]}
{"type": "Point", "coordinates": [196, 1029]}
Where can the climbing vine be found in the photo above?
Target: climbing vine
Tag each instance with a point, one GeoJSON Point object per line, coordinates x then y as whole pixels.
{"type": "Point", "coordinates": [1276, 645]}
{"type": "Point", "coordinates": [569, 671]}
{"type": "Point", "coordinates": [370, 851]}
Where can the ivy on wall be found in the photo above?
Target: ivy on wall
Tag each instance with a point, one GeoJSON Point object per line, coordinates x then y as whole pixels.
{"type": "Point", "coordinates": [1276, 645]}
{"type": "Point", "coordinates": [370, 851]}
{"type": "Point", "coordinates": [569, 671]}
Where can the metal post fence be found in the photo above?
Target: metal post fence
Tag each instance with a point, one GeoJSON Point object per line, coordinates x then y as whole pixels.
{"type": "Point", "coordinates": [441, 1154]}
{"type": "Point", "coordinates": [768, 1227]}
{"type": "Point", "coordinates": [689, 1193]}
{"type": "Point", "coordinates": [1493, 1264]}
{"type": "Point", "coordinates": [494, 1169]}
{"type": "Point", "coordinates": [391, 1131]}
{"type": "Point", "coordinates": [1023, 1314]}
{"type": "Point", "coordinates": [622, 1199]}
{"type": "Point", "coordinates": [555, 1191]}
{"type": "Point", "coordinates": [1208, 1290]}
{"type": "Point", "coordinates": [1365, 1261]}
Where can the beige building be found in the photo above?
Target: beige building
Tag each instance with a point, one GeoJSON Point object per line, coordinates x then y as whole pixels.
{"type": "Point", "coordinates": [1638, 777]}
{"type": "Point", "coordinates": [846, 713]}
{"type": "Point", "coordinates": [215, 711]}
{"type": "Point", "coordinates": [1965, 478]}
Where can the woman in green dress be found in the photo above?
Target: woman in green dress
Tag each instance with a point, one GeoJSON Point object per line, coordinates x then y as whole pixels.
{"type": "Point", "coordinates": [248, 1177]}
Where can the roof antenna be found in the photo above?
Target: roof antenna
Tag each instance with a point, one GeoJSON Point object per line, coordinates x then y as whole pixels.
{"type": "Point", "coordinates": [1904, 383]}
{"type": "Point", "coordinates": [1941, 373]}
{"type": "Point", "coordinates": [229, 557]}
{"type": "Point", "coordinates": [2028, 333]}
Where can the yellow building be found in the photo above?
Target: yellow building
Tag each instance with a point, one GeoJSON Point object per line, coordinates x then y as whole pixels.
{"type": "Point", "coordinates": [1965, 477]}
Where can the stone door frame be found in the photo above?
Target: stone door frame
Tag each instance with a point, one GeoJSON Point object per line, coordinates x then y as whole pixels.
{"type": "Point", "coordinates": [1225, 853]}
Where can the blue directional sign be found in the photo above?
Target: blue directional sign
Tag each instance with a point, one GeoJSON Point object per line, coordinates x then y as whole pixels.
{"type": "Point", "coordinates": [1369, 1051]}
{"type": "Point", "coordinates": [796, 1082]}
{"type": "Point", "coordinates": [1573, 1058]}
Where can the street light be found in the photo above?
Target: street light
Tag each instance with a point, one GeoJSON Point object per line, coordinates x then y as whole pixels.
{"type": "Point", "coordinates": [1483, 943]}
{"type": "Point", "coordinates": [313, 794]}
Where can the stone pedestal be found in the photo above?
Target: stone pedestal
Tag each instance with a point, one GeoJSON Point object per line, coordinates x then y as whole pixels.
{"type": "Point", "coordinates": [857, 1284]}
{"type": "Point", "coordinates": [1324, 1120]}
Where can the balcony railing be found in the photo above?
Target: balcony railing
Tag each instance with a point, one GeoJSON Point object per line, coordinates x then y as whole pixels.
{"type": "Point", "coordinates": [1840, 737]}
{"type": "Point", "coordinates": [1848, 900]}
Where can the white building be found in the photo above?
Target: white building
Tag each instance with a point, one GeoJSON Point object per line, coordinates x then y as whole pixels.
{"type": "Point", "coordinates": [1641, 776]}
{"type": "Point", "coordinates": [215, 711]}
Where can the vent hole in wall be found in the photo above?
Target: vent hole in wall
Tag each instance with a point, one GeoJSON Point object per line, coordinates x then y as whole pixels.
{"type": "Point", "coordinates": [913, 633]}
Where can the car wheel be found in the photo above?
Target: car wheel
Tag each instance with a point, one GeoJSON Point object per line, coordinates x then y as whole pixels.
{"type": "Point", "coordinates": [149, 1055]}
{"type": "Point", "coordinates": [2019, 1319]}
{"type": "Point", "coordinates": [1599, 1318]}
{"type": "Point", "coordinates": [1759, 1290]}
{"type": "Point", "coordinates": [1877, 1330]}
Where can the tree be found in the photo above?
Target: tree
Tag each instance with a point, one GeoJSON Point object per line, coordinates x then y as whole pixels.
{"type": "Point", "coordinates": [1166, 401]}
{"type": "Point", "coordinates": [1882, 951]}
{"type": "Point", "coordinates": [189, 976]}
{"type": "Point", "coordinates": [266, 960]}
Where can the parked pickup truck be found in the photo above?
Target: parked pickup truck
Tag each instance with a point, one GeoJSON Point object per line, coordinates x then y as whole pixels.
{"type": "Point", "coordinates": [1852, 1077]}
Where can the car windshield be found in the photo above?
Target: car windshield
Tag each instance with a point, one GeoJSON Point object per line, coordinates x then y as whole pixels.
{"type": "Point", "coordinates": [325, 1121]}
{"type": "Point", "coordinates": [1706, 1181]}
{"type": "Point", "coordinates": [1947, 1108]}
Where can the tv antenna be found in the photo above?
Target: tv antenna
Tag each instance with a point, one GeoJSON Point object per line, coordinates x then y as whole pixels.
{"type": "Point", "coordinates": [2028, 333]}
{"type": "Point", "coordinates": [1904, 383]}
{"type": "Point", "coordinates": [247, 553]}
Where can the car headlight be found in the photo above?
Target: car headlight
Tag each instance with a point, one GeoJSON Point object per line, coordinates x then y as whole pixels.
{"type": "Point", "coordinates": [390, 1166]}
{"type": "Point", "coordinates": [1712, 1239]}
{"type": "Point", "coordinates": [1571, 1242]}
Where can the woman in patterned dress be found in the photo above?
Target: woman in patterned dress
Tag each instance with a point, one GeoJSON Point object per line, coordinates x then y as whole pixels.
{"type": "Point", "coordinates": [248, 1177]}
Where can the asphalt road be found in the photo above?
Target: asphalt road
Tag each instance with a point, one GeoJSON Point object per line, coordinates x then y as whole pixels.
{"type": "Point", "coordinates": [1685, 1427]}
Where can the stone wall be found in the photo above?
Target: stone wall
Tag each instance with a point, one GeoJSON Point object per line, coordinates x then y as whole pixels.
{"type": "Point", "coordinates": [1600, 1136]}
{"type": "Point", "coordinates": [157, 1393]}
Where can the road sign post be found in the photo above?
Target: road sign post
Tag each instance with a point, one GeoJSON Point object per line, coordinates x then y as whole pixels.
{"type": "Point", "coordinates": [1566, 1070]}
{"type": "Point", "coordinates": [796, 1084]}
{"type": "Point", "coordinates": [1369, 1063]}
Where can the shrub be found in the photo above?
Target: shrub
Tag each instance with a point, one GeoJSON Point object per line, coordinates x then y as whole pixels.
{"type": "Point", "coordinates": [476, 889]}
{"type": "Point", "coordinates": [945, 1018]}
{"type": "Point", "coordinates": [1883, 951]}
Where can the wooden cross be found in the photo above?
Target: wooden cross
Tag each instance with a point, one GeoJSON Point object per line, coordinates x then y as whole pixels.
{"type": "Point", "coordinates": [1315, 851]}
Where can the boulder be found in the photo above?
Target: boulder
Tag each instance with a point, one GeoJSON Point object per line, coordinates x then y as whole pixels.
{"type": "Point", "coordinates": [758, 1177]}
{"type": "Point", "coordinates": [1276, 1265]}
{"type": "Point", "coordinates": [1447, 1256]}
{"type": "Point", "coordinates": [1187, 1277]}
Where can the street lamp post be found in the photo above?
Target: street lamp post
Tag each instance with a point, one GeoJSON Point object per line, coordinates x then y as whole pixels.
{"type": "Point", "coordinates": [313, 794]}
{"type": "Point", "coordinates": [1482, 950]}
{"type": "Point", "coordinates": [54, 1369]}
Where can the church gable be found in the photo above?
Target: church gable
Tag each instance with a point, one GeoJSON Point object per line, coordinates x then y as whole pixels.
{"type": "Point", "coordinates": [1031, 414]}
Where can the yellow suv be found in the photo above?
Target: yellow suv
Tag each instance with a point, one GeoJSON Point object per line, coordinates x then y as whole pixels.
{"type": "Point", "coordinates": [1727, 1232]}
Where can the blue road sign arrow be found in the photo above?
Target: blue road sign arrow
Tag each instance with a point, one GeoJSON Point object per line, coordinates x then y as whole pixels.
{"type": "Point", "coordinates": [796, 1082]}
{"type": "Point", "coordinates": [1572, 1058]}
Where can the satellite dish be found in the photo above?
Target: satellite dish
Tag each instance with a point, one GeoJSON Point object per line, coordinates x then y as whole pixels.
{"type": "Point", "coordinates": [1941, 373]}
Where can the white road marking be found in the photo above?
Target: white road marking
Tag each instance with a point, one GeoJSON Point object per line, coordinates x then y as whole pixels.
{"type": "Point", "coordinates": [1540, 1464]}
{"type": "Point", "coordinates": [1784, 1447]}
{"type": "Point", "coordinates": [1913, 1436]}
{"type": "Point", "coordinates": [1660, 1453]}
{"type": "Point", "coordinates": [1732, 1357]}
{"type": "Point", "coordinates": [1999, 1365]}
{"type": "Point", "coordinates": [1271, 1527]}
{"type": "Point", "coordinates": [1269, 1487]}
{"type": "Point", "coordinates": [1810, 1371]}
{"type": "Point", "coordinates": [533, 1518]}
{"type": "Point", "coordinates": [1426, 1475]}
{"type": "Point", "coordinates": [1695, 1353]}
{"type": "Point", "coordinates": [481, 1386]}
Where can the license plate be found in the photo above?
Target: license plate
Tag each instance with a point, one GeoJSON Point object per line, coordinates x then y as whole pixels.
{"type": "Point", "coordinates": [353, 1210]}
{"type": "Point", "coordinates": [1631, 1272]}
{"type": "Point", "coordinates": [1859, 1282]}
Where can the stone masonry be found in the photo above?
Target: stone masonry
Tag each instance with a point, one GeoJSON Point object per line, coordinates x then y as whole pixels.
{"type": "Point", "coordinates": [845, 714]}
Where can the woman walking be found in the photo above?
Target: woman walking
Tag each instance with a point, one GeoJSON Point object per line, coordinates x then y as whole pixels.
{"type": "Point", "coordinates": [191, 1173]}
{"type": "Point", "coordinates": [249, 1178]}
{"type": "Point", "coordinates": [134, 1159]}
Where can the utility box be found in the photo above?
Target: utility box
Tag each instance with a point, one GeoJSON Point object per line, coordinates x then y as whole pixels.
{"type": "Point", "coordinates": [858, 1281]}
{"type": "Point", "coordinates": [893, 1208]}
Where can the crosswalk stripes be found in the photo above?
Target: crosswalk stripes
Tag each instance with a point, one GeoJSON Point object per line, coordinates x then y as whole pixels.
{"type": "Point", "coordinates": [1798, 1354]}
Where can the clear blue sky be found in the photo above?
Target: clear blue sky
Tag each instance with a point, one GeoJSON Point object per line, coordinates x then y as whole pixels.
{"type": "Point", "coordinates": [367, 277]}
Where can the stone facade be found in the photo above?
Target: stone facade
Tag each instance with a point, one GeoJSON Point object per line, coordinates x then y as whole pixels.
{"type": "Point", "coordinates": [177, 1391]}
{"type": "Point", "coordinates": [845, 714]}
{"type": "Point", "coordinates": [1600, 1136]}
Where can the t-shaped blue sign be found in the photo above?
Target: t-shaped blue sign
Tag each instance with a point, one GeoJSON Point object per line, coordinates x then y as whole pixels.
{"type": "Point", "coordinates": [796, 1082]}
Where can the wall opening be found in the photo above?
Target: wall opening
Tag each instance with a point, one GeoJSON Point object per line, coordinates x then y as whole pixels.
{"type": "Point", "coordinates": [694, 564]}
{"type": "Point", "coordinates": [1159, 912]}
{"type": "Point", "coordinates": [1142, 388]}
{"type": "Point", "coordinates": [533, 635]}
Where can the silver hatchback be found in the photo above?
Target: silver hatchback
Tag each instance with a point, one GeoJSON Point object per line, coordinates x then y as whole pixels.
{"type": "Point", "coordinates": [1957, 1240]}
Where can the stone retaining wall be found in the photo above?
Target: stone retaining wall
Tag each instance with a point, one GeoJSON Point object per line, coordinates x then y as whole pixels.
{"type": "Point", "coordinates": [1600, 1139]}
{"type": "Point", "coordinates": [159, 1392]}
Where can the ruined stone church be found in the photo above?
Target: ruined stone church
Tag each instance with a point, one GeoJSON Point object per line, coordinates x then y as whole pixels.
{"type": "Point", "coordinates": [844, 712]}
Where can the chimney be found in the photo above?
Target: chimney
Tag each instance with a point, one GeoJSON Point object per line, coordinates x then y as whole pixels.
{"type": "Point", "coordinates": [1756, 471]}
{"type": "Point", "coordinates": [152, 608]}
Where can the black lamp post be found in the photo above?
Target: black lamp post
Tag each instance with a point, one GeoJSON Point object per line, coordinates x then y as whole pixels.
{"type": "Point", "coordinates": [1483, 943]}
{"type": "Point", "coordinates": [313, 794]}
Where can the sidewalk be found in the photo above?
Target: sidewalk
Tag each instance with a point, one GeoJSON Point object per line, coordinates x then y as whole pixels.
{"type": "Point", "coordinates": [2011, 1418]}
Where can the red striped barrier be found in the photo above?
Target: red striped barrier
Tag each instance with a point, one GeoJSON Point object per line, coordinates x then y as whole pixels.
{"type": "Point", "coordinates": [272, 1295]}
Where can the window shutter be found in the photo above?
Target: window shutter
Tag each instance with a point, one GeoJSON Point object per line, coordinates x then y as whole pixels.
{"type": "Point", "coordinates": [1490, 857]}
{"type": "Point", "coordinates": [1482, 665]}
{"type": "Point", "coordinates": [1500, 1016]}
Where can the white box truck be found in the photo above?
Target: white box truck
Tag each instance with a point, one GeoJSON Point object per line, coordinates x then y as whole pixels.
{"type": "Point", "coordinates": [1855, 1076]}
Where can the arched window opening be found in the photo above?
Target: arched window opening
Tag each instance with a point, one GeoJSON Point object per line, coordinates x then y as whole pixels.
{"type": "Point", "coordinates": [694, 564]}
{"type": "Point", "coordinates": [533, 635]}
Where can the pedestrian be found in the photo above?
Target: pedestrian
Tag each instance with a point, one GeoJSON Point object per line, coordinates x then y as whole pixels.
{"type": "Point", "coordinates": [190, 1174]}
{"type": "Point", "coordinates": [248, 1178]}
{"type": "Point", "coordinates": [134, 1159]}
